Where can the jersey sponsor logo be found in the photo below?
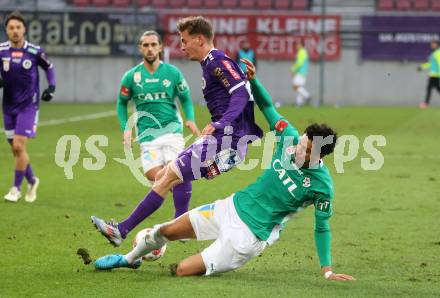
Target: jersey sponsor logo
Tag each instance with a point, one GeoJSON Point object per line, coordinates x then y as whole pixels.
{"type": "Point", "coordinates": [323, 205]}
{"type": "Point", "coordinates": [281, 125]}
{"type": "Point", "coordinates": [151, 80]}
{"type": "Point", "coordinates": [125, 91]}
{"type": "Point", "coordinates": [218, 72]}
{"type": "Point", "coordinates": [27, 64]}
{"type": "Point", "coordinates": [32, 51]}
{"type": "Point", "coordinates": [284, 178]}
{"type": "Point", "coordinates": [306, 182]}
{"type": "Point", "coordinates": [6, 63]}
{"type": "Point", "coordinates": [16, 60]}
{"type": "Point", "coordinates": [17, 54]}
{"type": "Point", "coordinates": [166, 83]}
{"type": "Point", "coordinates": [231, 70]}
{"type": "Point", "coordinates": [137, 77]}
{"type": "Point", "coordinates": [152, 96]}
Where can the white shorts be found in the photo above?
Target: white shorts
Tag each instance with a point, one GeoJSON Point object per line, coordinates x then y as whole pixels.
{"type": "Point", "coordinates": [298, 80]}
{"type": "Point", "coordinates": [234, 243]}
{"type": "Point", "coordinates": [161, 150]}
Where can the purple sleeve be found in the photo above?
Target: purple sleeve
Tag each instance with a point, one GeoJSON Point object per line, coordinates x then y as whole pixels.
{"type": "Point", "coordinates": [48, 68]}
{"type": "Point", "coordinates": [227, 73]}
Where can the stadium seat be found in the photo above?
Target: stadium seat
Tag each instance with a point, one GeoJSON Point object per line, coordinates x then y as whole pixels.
{"type": "Point", "coordinates": [300, 5]}
{"type": "Point", "coordinates": [385, 5]}
{"type": "Point", "coordinates": [142, 3]}
{"type": "Point", "coordinates": [101, 3]}
{"type": "Point", "coordinates": [177, 4]}
{"type": "Point", "coordinates": [159, 3]}
{"type": "Point", "coordinates": [81, 3]}
{"type": "Point", "coordinates": [264, 4]}
{"type": "Point", "coordinates": [247, 4]}
{"type": "Point", "coordinates": [403, 4]}
{"type": "Point", "coordinates": [230, 3]}
{"type": "Point", "coordinates": [212, 4]}
{"type": "Point", "coordinates": [421, 4]}
{"type": "Point", "coordinates": [194, 3]}
{"type": "Point", "coordinates": [122, 3]}
{"type": "Point", "coordinates": [435, 5]}
{"type": "Point", "coordinates": [282, 4]}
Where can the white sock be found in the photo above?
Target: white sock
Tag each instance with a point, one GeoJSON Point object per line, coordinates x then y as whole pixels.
{"type": "Point", "coordinates": [151, 241]}
{"type": "Point", "coordinates": [304, 93]}
{"type": "Point", "coordinates": [299, 99]}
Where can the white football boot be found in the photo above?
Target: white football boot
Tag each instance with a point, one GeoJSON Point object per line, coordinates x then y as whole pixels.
{"type": "Point", "coordinates": [13, 195]}
{"type": "Point", "coordinates": [31, 194]}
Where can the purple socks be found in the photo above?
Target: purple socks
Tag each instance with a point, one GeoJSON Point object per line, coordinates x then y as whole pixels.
{"type": "Point", "coordinates": [181, 196]}
{"type": "Point", "coordinates": [29, 174]}
{"type": "Point", "coordinates": [149, 204]}
{"type": "Point", "coordinates": [19, 175]}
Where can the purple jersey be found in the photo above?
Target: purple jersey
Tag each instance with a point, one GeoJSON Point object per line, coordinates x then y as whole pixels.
{"type": "Point", "coordinates": [228, 97]}
{"type": "Point", "coordinates": [19, 70]}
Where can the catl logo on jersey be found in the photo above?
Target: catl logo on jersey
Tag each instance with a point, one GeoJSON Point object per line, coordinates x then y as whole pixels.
{"type": "Point", "coordinates": [137, 78]}
{"type": "Point", "coordinates": [27, 64]}
{"type": "Point", "coordinates": [6, 63]}
{"type": "Point", "coordinates": [166, 83]}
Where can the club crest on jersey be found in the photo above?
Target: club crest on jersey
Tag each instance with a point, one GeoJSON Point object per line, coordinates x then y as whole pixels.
{"type": "Point", "coordinates": [137, 78]}
{"type": "Point", "coordinates": [6, 64]}
{"type": "Point", "coordinates": [231, 70]}
{"type": "Point", "coordinates": [306, 182]}
{"type": "Point", "coordinates": [290, 150]}
{"type": "Point", "coordinates": [166, 83]}
{"type": "Point", "coordinates": [27, 64]}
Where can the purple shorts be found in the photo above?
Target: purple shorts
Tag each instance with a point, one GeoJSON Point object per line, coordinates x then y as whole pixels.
{"type": "Point", "coordinates": [24, 123]}
{"type": "Point", "coordinates": [208, 158]}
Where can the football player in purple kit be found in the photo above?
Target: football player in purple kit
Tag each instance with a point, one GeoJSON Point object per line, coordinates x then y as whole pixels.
{"type": "Point", "coordinates": [20, 80]}
{"type": "Point", "coordinates": [224, 141]}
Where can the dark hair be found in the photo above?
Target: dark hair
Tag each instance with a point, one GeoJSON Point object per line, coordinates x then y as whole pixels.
{"type": "Point", "coordinates": [196, 25]}
{"type": "Point", "coordinates": [149, 33]}
{"type": "Point", "coordinates": [322, 131]}
{"type": "Point", "coordinates": [15, 15]}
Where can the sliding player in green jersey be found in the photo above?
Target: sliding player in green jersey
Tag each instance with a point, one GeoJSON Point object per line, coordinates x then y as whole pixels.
{"type": "Point", "coordinates": [245, 223]}
{"type": "Point", "coordinates": [153, 87]}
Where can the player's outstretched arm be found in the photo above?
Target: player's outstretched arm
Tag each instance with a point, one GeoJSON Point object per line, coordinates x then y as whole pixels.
{"type": "Point", "coordinates": [261, 96]}
{"type": "Point", "coordinates": [187, 107]}
{"type": "Point", "coordinates": [323, 247]}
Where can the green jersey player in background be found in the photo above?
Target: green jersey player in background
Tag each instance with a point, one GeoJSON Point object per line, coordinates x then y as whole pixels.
{"type": "Point", "coordinates": [153, 86]}
{"type": "Point", "coordinates": [245, 223]}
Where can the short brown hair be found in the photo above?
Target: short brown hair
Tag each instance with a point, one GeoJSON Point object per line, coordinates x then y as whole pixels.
{"type": "Point", "coordinates": [196, 25]}
{"type": "Point", "coordinates": [15, 15]}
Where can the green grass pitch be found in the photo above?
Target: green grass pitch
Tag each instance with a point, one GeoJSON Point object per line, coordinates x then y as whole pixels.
{"type": "Point", "coordinates": [385, 225]}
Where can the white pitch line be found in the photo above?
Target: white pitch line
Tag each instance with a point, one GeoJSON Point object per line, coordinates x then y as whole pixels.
{"type": "Point", "coordinates": [74, 119]}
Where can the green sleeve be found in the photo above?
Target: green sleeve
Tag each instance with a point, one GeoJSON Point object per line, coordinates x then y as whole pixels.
{"type": "Point", "coordinates": [124, 96]}
{"type": "Point", "coordinates": [264, 103]}
{"type": "Point", "coordinates": [426, 65]}
{"type": "Point", "coordinates": [183, 94]}
{"type": "Point", "coordinates": [323, 239]}
{"type": "Point", "coordinates": [323, 236]}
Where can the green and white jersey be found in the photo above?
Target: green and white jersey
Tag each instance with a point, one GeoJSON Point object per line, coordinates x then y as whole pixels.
{"type": "Point", "coordinates": [154, 98]}
{"type": "Point", "coordinates": [283, 190]}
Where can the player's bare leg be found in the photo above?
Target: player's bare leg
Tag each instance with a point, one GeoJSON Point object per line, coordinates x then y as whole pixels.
{"type": "Point", "coordinates": [192, 265]}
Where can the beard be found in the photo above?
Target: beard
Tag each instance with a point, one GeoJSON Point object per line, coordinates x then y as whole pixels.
{"type": "Point", "coordinates": [151, 60]}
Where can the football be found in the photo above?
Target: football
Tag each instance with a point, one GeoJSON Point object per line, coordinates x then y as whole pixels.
{"type": "Point", "coordinates": [155, 254]}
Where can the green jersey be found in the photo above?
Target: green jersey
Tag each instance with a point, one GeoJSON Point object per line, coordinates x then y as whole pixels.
{"type": "Point", "coordinates": [433, 64]}
{"type": "Point", "coordinates": [284, 189]}
{"type": "Point", "coordinates": [154, 98]}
